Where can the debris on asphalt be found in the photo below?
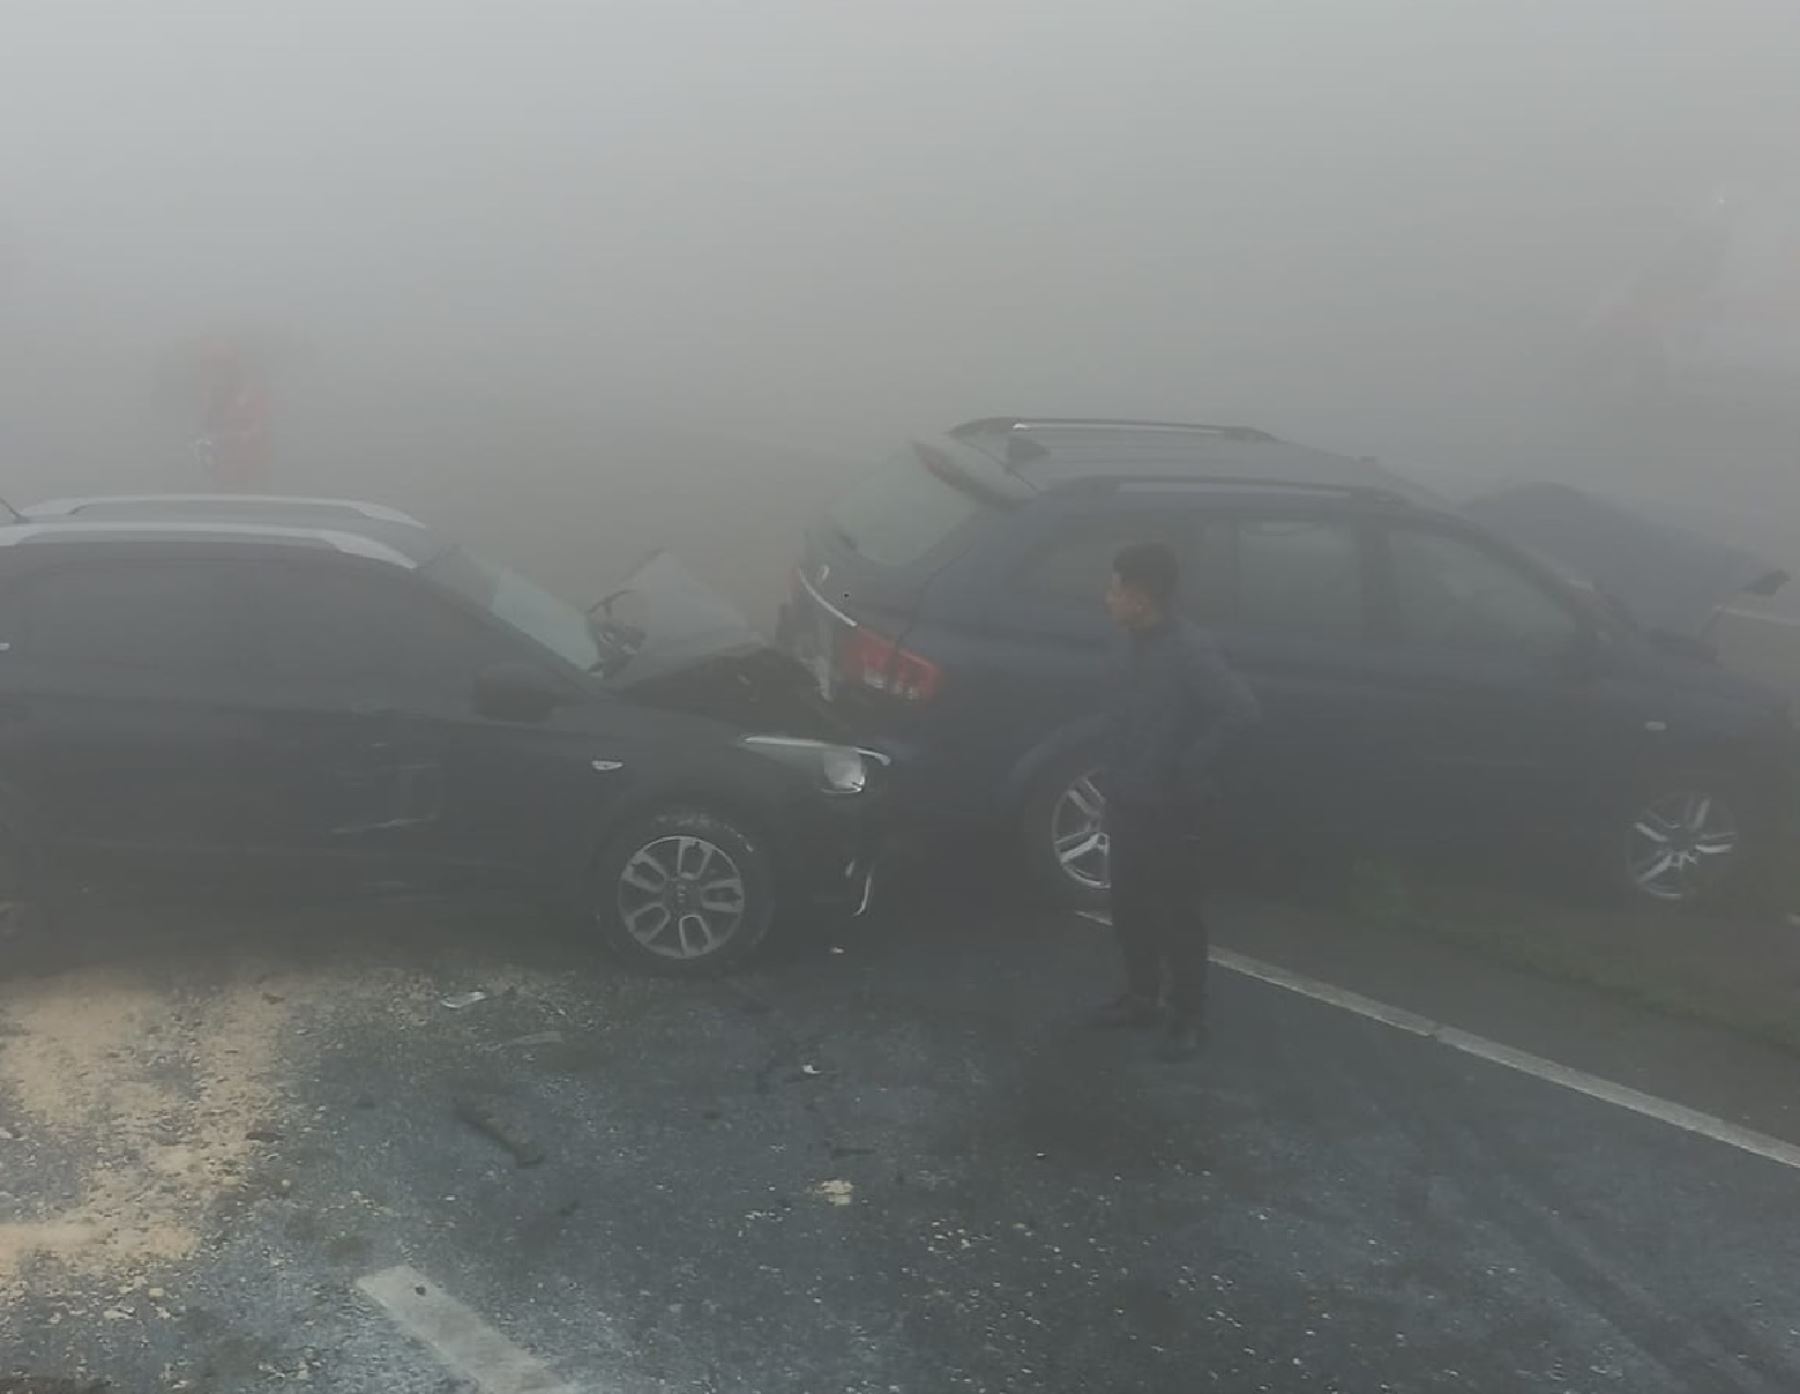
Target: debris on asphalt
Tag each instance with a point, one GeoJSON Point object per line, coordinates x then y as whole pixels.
{"type": "Point", "coordinates": [811, 1070]}
{"type": "Point", "coordinates": [149, 1096]}
{"type": "Point", "coordinates": [507, 1135]}
{"type": "Point", "coordinates": [835, 1192]}
{"type": "Point", "coordinates": [536, 1038]}
{"type": "Point", "coordinates": [456, 1001]}
{"type": "Point", "coordinates": [263, 1135]}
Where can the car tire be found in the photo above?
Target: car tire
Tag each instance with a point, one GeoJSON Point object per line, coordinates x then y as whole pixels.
{"type": "Point", "coordinates": [1690, 840]}
{"type": "Point", "coordinates": [1062, 815]}
{"type": "Point", "coordinates": [684, 892]}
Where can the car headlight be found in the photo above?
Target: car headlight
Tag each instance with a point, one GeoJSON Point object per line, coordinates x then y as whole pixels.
{"type": "Point", "coordinates": [839, 769]}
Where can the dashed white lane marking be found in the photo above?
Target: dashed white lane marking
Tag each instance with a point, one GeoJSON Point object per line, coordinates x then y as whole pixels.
{"type": "Point", "coordinates": [461, 1342]}
{"type": "Point", "coordinates": [1619, 1095]}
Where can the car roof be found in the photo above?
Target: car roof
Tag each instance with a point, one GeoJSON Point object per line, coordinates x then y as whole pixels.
{"type": "Point", "coordinates": [348, 526]}
{"type": "Point", "coordinates": [1054, 452]}
{"type": "Point", "coordinates": [189, 506]}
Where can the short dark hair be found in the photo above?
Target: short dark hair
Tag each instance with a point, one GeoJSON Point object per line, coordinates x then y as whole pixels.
{"type": "Point", "coordinates": [1149, 567]}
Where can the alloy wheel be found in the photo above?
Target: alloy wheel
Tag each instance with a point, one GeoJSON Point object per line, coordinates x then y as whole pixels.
{"type": "Point", "coordinates": [682, 896]}
{"type": "Point", "coordinates": [1078, 834]}
{"type": "Point", "coordinates": [1681, 844]}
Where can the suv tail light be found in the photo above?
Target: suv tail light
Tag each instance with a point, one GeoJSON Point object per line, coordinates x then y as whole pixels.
{"type": "Point", "coordinates": [876, 662]}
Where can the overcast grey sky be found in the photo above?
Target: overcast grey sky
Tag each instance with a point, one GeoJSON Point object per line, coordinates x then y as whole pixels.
{"type": "Point", "coordinates": [859, 216]}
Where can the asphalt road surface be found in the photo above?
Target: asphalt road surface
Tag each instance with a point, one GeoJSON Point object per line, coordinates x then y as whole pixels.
{"type": "Point", "coordinates": [257, 1151]}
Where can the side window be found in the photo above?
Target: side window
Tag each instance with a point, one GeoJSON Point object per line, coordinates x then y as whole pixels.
{"type": "Point", "coordinates": [1301, 577]}
{"type": "Point", "coordinates": [346, 626]}
{"type": "Point", "coordinates": [171, 616]}
{"type": "Point", "coordinates": [1073, 571]}
{"type": "Point", "coordinates": [1450, 593]}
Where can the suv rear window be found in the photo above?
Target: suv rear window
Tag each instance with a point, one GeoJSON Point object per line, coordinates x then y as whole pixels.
{"type": "Point", "coordinates": [901, 512]}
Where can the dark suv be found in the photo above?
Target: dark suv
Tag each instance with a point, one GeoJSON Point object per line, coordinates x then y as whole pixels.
{"type": "Point", "coordinates": [326, 694]}
{"type": "Point", "coordinates": [1422, 681]}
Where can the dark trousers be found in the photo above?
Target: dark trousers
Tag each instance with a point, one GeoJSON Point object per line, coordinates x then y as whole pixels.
{"type": "Point", "coordinates": [1156, 903]}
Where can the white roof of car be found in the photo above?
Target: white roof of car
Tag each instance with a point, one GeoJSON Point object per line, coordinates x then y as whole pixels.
{"type": "Point", "coordinates": [260, 504]}
{"type": "Point", "coordinates": [204, 530]}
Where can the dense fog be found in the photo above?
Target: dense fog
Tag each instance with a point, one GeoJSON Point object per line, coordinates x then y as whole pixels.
{"type": "Point", "coordinates": [576, 278]}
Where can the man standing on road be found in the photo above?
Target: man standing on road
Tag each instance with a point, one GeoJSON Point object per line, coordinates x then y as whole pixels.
{"type": "Point", "coordinates": [1178, 704]}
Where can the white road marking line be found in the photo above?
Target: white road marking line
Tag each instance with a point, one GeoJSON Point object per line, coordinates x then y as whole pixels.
{"type": "Point", "coordinates": [462, 1342]}
{"type": "Point", "coordinates": [1620, 1096]}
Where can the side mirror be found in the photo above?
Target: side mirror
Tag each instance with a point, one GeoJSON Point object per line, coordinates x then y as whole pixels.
{"type": "Point", "coordinates": [516, 692]}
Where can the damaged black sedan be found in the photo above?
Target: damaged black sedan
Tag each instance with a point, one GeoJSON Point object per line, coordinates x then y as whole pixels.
{"type": "Point", "coordinates": [326, 694]}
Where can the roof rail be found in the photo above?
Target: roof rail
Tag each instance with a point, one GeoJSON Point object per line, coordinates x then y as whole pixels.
{"type": "Point", "coordinates": [374, 512]}
{"type": "Point", "coordinates": [199, 530]}
{"type": "Point", "coordinates": [1109, 483]}
{"type": "Point", "coordinates": [986, 424]}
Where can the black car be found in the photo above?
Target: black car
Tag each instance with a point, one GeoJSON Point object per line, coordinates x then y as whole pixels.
{"type": "Point", "coordinates": [1423, 682]}
{"type": "Point", "coordinates": [327, 694]}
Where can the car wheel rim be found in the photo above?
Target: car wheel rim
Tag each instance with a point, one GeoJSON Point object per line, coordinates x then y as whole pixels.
{"type": "Point", "coordinates": [1078, 834]}
{"type": "Point", "coordinates": [1680, 844]}
{"type": "Point", "coordinates": [682, 897]}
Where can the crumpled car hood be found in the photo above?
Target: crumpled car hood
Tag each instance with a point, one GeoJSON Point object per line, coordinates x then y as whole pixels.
{"type": "Point", "coordinates": [698, 654]}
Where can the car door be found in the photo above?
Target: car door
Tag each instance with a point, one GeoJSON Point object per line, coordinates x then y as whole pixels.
{"type": "Point", "coordinates": [1500, 727]}
{"type": "Point", "coordinates": [1044, 650]}
{"type": "Point", "coordinates": [1297, 625]}
{"type": "Point", "coordinates": [388, 771]}
{"type": "Point", "coordinates": [127, 718]}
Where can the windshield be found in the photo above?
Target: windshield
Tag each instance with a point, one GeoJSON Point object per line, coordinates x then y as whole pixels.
{"type": "Point", "coordinates": [521, 603]}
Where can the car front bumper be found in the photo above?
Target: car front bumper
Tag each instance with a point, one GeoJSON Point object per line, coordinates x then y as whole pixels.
{"type": "Point", "coordinates": [830, 851]}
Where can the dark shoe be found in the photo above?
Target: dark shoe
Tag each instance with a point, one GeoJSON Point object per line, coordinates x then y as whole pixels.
{"type": "Point", "coordinates": [1182, 1041]}
{"type": "Point", "coordinates": [1129, 1011]}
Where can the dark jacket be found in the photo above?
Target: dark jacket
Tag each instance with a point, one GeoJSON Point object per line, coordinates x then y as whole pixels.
{"type": "Point", "coordinates": [1176, 705]}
